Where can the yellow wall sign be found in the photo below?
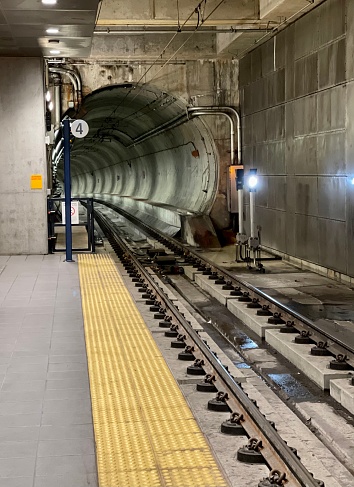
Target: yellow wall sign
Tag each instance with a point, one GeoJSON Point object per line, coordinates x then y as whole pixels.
{"type": "Point", "coordinates": [36, 181]}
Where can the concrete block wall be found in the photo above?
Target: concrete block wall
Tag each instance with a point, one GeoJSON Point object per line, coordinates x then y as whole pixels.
{"type": "Point", "coordinates": [23, 215]}
{"type": "Point", "coordinates": [297, 99]}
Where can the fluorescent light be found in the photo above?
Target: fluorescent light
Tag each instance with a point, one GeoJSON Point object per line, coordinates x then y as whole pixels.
{"type": "Point", "coordinates": [50, 106]}
{"type": "Point", "coordinates": [54, 51]}
{"type": "Point", "coordinates": [48, 96]}
{"type": "Point", "coordinates": [49, 2]}
{"type": "Point", "coordinates": [52, 30]}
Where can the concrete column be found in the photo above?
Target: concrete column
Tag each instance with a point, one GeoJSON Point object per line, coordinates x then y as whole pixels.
{"type": "Point", "coordinates": [23, 215]}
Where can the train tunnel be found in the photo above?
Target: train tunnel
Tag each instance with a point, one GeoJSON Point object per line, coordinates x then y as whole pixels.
{"type": "Point", "coordinates": [145, 154]}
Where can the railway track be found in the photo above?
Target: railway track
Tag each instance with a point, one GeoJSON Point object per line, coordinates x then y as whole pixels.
{"type": "Point", "coordinates": [263, 304]}
{"type": "Point", "coordinates": [264, 442]}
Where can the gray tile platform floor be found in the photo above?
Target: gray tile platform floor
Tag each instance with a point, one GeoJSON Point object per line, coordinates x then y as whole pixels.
{"type": "Point", "coordinates": [46, 432]}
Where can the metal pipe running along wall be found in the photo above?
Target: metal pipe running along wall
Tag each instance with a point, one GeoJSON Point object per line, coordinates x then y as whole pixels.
{"type": "Point", "coordinates": [229, 112]}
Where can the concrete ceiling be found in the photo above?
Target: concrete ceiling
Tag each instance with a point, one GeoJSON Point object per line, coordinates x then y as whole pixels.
{"type": "Point", "coordinates": [138, 28]}
{"type": "Point", "coordinates": [23, 25]}
{"type": "Point", "coordinates": [235, 26]}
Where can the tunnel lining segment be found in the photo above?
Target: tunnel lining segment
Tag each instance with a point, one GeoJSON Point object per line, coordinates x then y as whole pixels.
{"type": "Point", "coordinates": [145, 433]}
{"type": "Point", "coordinates": [178, 168]}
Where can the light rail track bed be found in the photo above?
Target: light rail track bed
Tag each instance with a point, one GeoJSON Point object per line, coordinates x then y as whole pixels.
{"type": "Point", "coordinates": [165, 310]}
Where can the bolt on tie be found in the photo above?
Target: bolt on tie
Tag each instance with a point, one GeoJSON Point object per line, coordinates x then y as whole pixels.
{"type": "Point", "coordinates": [305, 333]}
{"type": "Point", "coordinates": [277, 477]}
{"type": "Point", "coordinates": [237, 418]}
{"type": "Point", "coordinates": [199, 362]}
{"type": "Point", "coordinates": [341, 358]}
{"type": "Point", "coordinates": [222, 396]}
{"type": "Point", "coordinates": [209, 379]}
{"type": "Point", "coordinates": [181, 338]}
{"type": "Point", "coordinates": [254, 444]}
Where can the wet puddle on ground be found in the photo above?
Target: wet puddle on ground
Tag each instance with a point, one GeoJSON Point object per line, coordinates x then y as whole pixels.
{"type": "Point", "coordinates": [291, 386]}
{"type": "Point", "coordinates": [242, 365]}
{"type": "Point", "coordinates": [248, 344]}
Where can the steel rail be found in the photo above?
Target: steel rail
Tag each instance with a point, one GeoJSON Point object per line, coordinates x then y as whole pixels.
{"type": "Point", "coordinates": [275, 450]}
{"type": "Point", "coordinates": [290, 312]}
{"type": "Point", "coordinates": [335, 345]}
{"type": "Point", "coordinates": [300, 321]}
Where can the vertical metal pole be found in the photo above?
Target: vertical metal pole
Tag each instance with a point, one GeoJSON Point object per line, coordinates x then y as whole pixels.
{"type": "Point", "coordinates": [93, 226]}
{"type": "Point", "coordinates": [57, 105]}
{"type": "Point", "coordinates": [67, 189]}
{"type": "Point", "coordinates": [49, 207]}
{"type": "Point", "coordinates": [252, 213]}
{"type": "Point", "coordinates": [240, 210]}
{"type": "Point", "coordinates": [89, 224]}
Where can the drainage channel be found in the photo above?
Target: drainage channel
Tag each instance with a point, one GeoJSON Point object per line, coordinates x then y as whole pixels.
{"type": "Point", "coordinates": [264, 442]}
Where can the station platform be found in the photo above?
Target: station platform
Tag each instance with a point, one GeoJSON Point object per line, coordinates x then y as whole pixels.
{"type": "Point", "coordinates": [78, 412]}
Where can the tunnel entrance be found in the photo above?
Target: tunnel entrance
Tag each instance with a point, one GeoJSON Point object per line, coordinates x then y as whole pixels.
{"type": "Point", "coordinates": [145, 155]}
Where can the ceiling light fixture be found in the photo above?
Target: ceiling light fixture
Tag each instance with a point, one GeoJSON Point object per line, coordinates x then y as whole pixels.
{"type": "Point", "coordinates": [52, 30]}
{"type": "Point", "coordinates": [54, 51]}
{"type": "Point", "coordinates": [49, 2]}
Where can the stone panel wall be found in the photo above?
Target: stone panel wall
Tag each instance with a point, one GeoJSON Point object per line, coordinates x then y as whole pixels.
{"type": "Point", "coordinates": [297, 99]}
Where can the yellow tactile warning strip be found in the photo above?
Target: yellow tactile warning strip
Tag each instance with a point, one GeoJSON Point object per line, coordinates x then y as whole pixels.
{"type": "Point", "coordinates": [145, 433]}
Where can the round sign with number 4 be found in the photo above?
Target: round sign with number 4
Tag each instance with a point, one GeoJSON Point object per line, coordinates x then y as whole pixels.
{"type": "Point", "coordinates": [79, 129]}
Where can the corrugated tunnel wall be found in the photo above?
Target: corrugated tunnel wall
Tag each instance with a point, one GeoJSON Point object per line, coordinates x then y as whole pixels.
{"type": "Point", "coordinates": [159, 179]}
{"type": "Point", "coordinates": [297, 99]}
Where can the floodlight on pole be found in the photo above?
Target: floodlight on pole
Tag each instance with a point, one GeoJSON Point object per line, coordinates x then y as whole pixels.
{"type": "Point", "coordinates": [252, 180]}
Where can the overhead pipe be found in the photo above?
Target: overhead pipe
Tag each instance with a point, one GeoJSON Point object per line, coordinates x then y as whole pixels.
{"type": "Point", "coordinates": [68, 73]}
{"type": "Point", "coordinates": [234, 23]}
{"type": "Point", "coordinates": [78, 81]}
{"type": "Point", "coordinates": [75, 80]}
{"type": "Point", "coordinates": [57, 99]}
{"type": "Point", "coordinates": [202, 112]}
{"type": "Point", "coordinates": [160, 129]}
{"type": "Point", "coordinates": [224, 111]}
{"type": "Point", "coordinates": [228, 112]}
{"type": "Point", "coordinates": [58, 147]}
{"type": "Point", "coordinates": [112, 32]}
{"type": "Point", "coordinates": [58, 157]}
{"type": "Point", "coordinates": [183, 119]}
{"type": "Point", "coordinates": [199, 111]}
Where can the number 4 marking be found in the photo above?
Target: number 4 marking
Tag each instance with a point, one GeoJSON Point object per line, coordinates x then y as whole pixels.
{"type": "Point", "coordinates": [79, 128]}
